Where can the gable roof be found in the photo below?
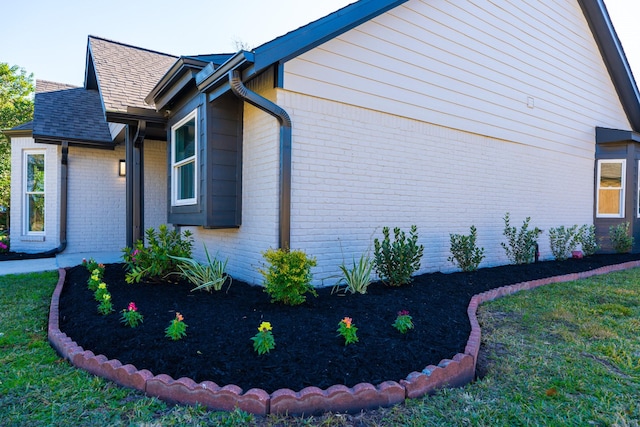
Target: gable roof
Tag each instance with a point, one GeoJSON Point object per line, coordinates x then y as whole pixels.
{"type": "Point", "coordinates": [123, 74]}
{"type": "Point", "coordinates": [65, 112]}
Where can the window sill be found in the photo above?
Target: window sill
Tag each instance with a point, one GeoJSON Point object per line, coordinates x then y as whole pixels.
{"type": "Point", "coordinates": [32, 238]}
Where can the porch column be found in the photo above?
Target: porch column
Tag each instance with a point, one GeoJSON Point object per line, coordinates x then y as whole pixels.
{"type": "Point", "coordinates": [134, 180]}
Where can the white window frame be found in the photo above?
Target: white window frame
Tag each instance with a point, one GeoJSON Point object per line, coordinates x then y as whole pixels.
{"type": "Point", "coordinates": [623, 162]}
{"type": "Point", "coordinates": [175, 166]}
{"type": "Point", "coordinates": [26, 194]}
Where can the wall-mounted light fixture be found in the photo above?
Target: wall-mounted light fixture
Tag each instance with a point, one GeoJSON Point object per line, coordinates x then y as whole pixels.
{"type": "Point", "coordinates": [122, 168]}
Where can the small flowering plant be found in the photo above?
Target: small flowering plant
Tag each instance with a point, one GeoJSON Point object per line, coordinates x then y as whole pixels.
{"type": "Point", "coordinates": [3, 247]}
{"type": "Point", "coordinates": [348, 330]}
{"type": "Point", "coordinates": [105, 307]}
{"type": "Point", "coordinates": [403, 322]}
{"type": "Point", "coordinates": [131, 316]}
{"type": "Point", "coordinates": [92, 264]}
{"type": "Point", "coordinates": [95, 279]}
{"type": "Point", "coordinates": [100, 291]}
{"type": "Point", "coordinates": [177, 329]}
{"type": "Point", "coordinates": [263, 341]}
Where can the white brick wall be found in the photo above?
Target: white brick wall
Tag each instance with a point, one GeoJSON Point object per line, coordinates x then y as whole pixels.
{"type": "Point", "coordinates": [357, 170]}
{"type": "Point", "coordinates": [96, 213]}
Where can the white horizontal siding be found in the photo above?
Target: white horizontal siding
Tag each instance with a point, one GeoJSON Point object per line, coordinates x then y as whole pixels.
{"type": "Point", "coordinates": [473, 65]}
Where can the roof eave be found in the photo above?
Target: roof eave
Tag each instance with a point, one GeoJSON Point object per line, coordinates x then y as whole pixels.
{"type": "Point", "coordinates": [614, 57]}
{"type": "Point", "coordinates": [211, 77]}
{"type": "Point", "coordinates": [184, 69]}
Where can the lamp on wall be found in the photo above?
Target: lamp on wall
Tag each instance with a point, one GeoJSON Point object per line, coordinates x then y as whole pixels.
{"type": "Point", "coordinates": [122, 168]}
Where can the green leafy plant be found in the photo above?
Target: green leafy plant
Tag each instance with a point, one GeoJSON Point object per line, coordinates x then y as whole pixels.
{"type": "Point", "coordinates": [94, 279]}
{"type": "Point", "coordinates": [396, 261]}
{"type": "Point", "coordinates": [465, 252]}
{"type": "Point", "coordinates": [263, 341]}
{"type": "Point", "coordinates": [563, 241]}
{"type": "Point", "coordinates": [521, 244]}
{"type": "Point", "coordinates": [131, 316]}
{"type": "Point", "coordinates": [588, 240]}
{"type": "Point", "coordinates": [209, 276]}
{"type": "Point", "coordinates": [155, 260]}
{"type": "Point", "coordinates": [177, 329]}
{"type": "Point", "coordinates": [100, 291]}
{"type": "Point", "coordinates": [287, 277]}
{"type": "Point", "coordinates": [403, 322]}
{"type": "Point", "coordinates": [105, 307]}
{"type": "Point", "coordinates": [357, 278]}
{"type": "Point", "coordinates": [348, 331]}
{"type": "Point", "coordinates": [621, 240]}
{"type": "Point", "coordinates": [91, 264]}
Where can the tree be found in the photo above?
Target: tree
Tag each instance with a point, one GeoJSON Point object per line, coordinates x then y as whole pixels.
{"type": "Point", "coordinates": [16, 107]}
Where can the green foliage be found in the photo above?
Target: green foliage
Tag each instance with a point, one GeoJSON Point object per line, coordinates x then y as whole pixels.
{"type": "Point", "coordinates": [157, 259]}
{"type": "Point", "coordinates": [288, 276]}
{"type": "Point", "coordinates": [621, 240]}
{"type": "Point", "coordinates": [348, 330]}
{"type": "Point", "coordinates": [106, 306]}
{"type": "Point", "coordinates": [209, 276]}
{"type": "Point", "coordinates": [130, 316]}
{"type": "Point", "coordinates": [465, 252]}
{"type": "Point", "coordinates": [358, 278]}
{"type": "Point", "coordinates": [396, 261]}
{"type": "Point", "coordinates": [563, 241]}
{"type": "Point", "coordinates": [16, 107]}
{"type": "Point", "coordinates": [588, 240]}
{"type": "Point", "coordinates": [521, 244]}
{"type": "Point", "coordinates": [403, 322]}
{"type": "Point", "coordinates": [177, 329]}
{"type": "Point", "coordinates": [263, 341]}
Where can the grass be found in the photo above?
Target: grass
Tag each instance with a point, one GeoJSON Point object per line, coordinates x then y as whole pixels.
{"type": "Point", "coordinates": [564, 354]}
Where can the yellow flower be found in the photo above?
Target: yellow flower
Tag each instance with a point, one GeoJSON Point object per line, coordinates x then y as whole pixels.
{"type": "Point", "coordinates": [347, 322]}
{"type": "Point", "coordinates": [106, 297]}
{"type": "Point", "coordinates": [264, 326]}
{"type": "Point", "coordinates": [102, 285]}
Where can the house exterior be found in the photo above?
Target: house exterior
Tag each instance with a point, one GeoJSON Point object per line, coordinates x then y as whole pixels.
{"type": "Point", "coordinates": [384, 113]}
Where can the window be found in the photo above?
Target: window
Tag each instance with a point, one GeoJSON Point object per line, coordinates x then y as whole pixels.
{"type": "Point", "coordinates": [34, 192]}
{"type": "Point", "coordinates": [611, 188]}
{"type": "Point", "coordinates": [184, 143]}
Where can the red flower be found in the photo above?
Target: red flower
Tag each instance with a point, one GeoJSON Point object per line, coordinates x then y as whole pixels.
{"type": "Point", "coordinates": [132, 306]}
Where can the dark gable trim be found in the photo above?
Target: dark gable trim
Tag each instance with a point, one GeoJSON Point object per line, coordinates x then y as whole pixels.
{"type": "Point", "coordinates": [314, 34]}
{"type": "Point", "coordinates": [614, 57]}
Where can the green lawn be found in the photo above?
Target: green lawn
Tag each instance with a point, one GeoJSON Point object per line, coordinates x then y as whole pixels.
{"type": "Point", "coordinates": [564, 354]}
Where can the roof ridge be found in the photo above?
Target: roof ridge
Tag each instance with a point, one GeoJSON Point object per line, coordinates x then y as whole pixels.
{"type": "Point", "coordinates": [132, 46]}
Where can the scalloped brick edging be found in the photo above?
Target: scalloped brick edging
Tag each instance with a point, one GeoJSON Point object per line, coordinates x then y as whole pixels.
{"type": "Point", "coordinates": [455, 372]}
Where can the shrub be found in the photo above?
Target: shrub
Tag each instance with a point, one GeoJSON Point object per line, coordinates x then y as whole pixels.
{"type": "Point", "coordinates": [563, 241]}
{"type": "Point", "coordinates": [209, 276]}
{"type": "Point", "coordinates": [588, 240]}
{"type": "Point", "coordinates": [521, 244]}
{"type": "Point", "coordinates": [155, 260]}
{"type": "Point", "coordinates": [4, 242]}
{"type": "Point", "coordinates": [288, 276]}
{"type": "Point", "coordinates": [358, 278]}
{"type": "Point", "coordinates": [465, 252]}
{"type": "Point", "coordinates": [396, 261]}
{"type": "Point", "coordinates": [621, 240]}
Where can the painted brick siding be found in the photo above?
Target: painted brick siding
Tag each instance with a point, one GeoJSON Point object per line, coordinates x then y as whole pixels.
{"type": "Point", "coordinates": [356, 170]}
{"type": "Point", "coordinates": [155, 183]}
{"type": "Point", "coordinates": [96, 202]}
{"type": "Point", "coordinates": [259, 231]}
{"type": "Point", "coordinates": [20, 242]}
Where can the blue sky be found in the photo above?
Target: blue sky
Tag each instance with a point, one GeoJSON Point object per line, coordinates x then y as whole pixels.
{"type": "Point", "coordinates": [49, 37]}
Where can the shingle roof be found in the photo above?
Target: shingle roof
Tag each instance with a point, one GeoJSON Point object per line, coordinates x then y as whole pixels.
{"type": "Point", "coordinates": [125, 74]}
{"type": "Point", "coordinates": [65, 112]}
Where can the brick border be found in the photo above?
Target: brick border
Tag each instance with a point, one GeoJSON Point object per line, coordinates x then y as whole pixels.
{"type": "Point", "coordinates": [455, 372]}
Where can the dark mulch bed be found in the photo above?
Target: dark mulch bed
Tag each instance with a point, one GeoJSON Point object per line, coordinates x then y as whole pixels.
{"type": "Point", "coordinates": [15, 256]}
{"type": "Point", "coordinates": [308, 351]}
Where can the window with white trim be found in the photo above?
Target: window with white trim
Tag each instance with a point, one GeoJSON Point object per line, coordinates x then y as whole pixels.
{"type": "Point", "coordinates": [34, 192]}
{"type": "Point", "coordinates": [184, 176]}
{"type": "Point", "coordinates": [611, 183]}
